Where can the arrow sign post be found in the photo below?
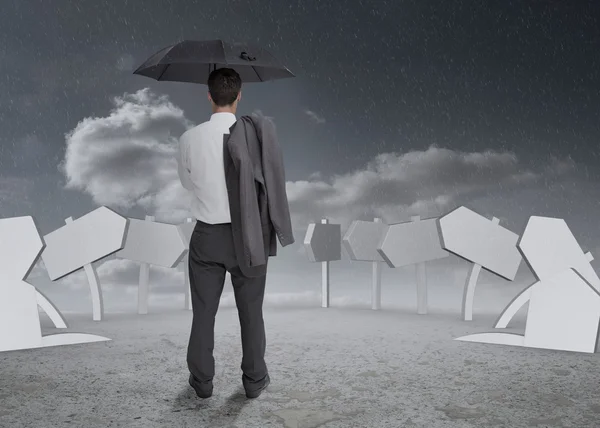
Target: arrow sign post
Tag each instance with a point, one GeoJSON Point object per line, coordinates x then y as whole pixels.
{"type": "Point", "coordinates": [144, 283]}
{"type": "Point", "coordinates": [95, 289]}
{"type": "Point", "coordinates": [421, 275]}
{"type": "Point", "coordinates": [186, 229]}
{"type": "Point", "coordinates": [323, 244]}
{"type": "Point", "coordinates": [483, 243]}
{"type": "Point", "coordinates": [413, 242]}
{"type": "Point", "coordinates": [360, 241]}
{"type": "Point", "coordinates": [151, 243]}
{"type": "Point", "coordinates": [80, 243]}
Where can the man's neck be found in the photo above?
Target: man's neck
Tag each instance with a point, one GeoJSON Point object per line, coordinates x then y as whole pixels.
{"type": "Point", "coordinates": [224, 110]}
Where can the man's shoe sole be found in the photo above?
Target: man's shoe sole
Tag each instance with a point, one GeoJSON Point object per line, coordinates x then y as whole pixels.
{"type": "Point", "coordinates": [258, 392]}
{"type": "Point", "coordinates": [199, 392]}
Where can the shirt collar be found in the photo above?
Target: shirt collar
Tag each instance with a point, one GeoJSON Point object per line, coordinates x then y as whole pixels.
{"type": "Point", "coordinates": [223, 116]}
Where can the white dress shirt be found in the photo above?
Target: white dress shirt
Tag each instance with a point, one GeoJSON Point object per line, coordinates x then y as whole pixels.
{"type": "Point", "coordinates": [201, 169]}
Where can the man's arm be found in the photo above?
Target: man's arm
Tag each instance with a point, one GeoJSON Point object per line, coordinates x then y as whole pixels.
{"type": "Point", "coordinates": [183, 166]}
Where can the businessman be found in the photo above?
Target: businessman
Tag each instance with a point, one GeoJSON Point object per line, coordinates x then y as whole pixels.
{"type": "Point", "coordinates": [229, 165]}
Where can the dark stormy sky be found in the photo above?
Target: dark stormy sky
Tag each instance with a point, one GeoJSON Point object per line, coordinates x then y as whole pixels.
{"type": "Point", "coordinates": [398, 108]}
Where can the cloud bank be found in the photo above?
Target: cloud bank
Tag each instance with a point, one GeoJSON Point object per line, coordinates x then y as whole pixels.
{"type": "Point", "coordinates": [127, 159]}
{"type": "Point", "coordinates": [426, 183]}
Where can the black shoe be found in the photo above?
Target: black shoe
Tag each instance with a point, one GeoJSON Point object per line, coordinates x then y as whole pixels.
{"type": "Point", "coordinates": [203, 390]}
{"type": "Point", "coordinates": [256, 393]}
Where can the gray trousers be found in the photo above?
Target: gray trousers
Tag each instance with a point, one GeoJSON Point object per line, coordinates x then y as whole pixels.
{"type": "Point", "coordinates": [211, 255]}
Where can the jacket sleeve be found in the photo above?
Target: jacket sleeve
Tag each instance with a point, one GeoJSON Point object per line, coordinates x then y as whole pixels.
{"type": "Point", "coordinates": [274, 175]}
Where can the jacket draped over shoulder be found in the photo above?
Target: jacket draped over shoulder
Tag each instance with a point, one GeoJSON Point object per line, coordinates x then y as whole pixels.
{"type": "Point", "coordinates": [258, 201]}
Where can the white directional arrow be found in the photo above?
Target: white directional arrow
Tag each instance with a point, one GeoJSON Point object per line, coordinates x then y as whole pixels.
{"type": "Point", "coordinates": [361, 241]}
{"type": "Point", "coordinates": [414, 242]}
{"type": "Point", "coordinates": [411, 242]}
{"type": "Point", "coordinates": [83, 241]}
{"type": "Point", "coordinates": [482, 242]}
{"type": "Point", "coordinates": [152, 243]}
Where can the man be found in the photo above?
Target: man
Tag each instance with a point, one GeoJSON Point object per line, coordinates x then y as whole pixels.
{"type": "Point", "coordinates": [219, 243]}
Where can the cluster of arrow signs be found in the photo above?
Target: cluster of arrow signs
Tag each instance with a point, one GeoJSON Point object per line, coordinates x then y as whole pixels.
{"type": "Point", "coordinates": [103, 232]}
{"type": "Point", "coordinates": [463, 232]}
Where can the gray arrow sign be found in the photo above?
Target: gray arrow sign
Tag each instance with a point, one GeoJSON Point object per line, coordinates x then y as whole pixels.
{"type": "Point", "coordinates": [323, 242]}
{"type": "Point", "coordinates": [362, 238]}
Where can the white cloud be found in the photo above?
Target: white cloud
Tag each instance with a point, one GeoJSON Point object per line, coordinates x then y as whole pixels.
{"type": "Point", "coordinates": [426, 183]}
{"type": "Point", "coordinates": [315, 117]}
{"type": "Point", "coordinates": [127, 158]}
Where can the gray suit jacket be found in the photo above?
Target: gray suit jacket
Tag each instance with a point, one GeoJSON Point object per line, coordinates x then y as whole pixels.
{"type": "Point", "coordinates": [258, 201]}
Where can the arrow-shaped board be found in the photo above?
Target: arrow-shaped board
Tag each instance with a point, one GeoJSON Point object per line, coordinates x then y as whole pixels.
{"type": "Point", "coordinates": [159, 244]}
{"type": "Point", "coordinates": [481, 241]}
{"type": "Point", "coordinates": [362, 239]}
{"type": "Point", "coordinates": [411, 242]}
{"type": "Point", "coordinates": [550, 247]}
{"type": "Point", "coordinates": [83, 241]}
{"type": "Point", "coordinates": [323, 242]}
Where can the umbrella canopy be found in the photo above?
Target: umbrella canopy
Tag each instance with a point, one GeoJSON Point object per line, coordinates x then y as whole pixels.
{"type": "Point", "coordinates": [192, 61]}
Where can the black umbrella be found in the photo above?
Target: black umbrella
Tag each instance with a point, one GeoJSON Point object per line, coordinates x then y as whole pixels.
{"type": "Point", "coordinates": [192, 61]}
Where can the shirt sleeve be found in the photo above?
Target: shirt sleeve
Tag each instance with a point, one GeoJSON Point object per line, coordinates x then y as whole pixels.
{"type": "Point", "coordinates": [183, 166]}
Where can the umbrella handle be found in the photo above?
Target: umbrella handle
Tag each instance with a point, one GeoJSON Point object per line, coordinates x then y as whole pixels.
{"type": "Point", "coordinates": [244, 55]}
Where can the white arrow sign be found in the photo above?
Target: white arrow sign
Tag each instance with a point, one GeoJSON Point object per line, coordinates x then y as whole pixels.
{"type": "Point", "coordinates": [482, 242]}
{"type": "Point", "coordinates": [151, 243]}
{"type": "Point", "coordinates": [83, 241]}
{"type": "Point", "coordinates": [154, 243]}
{"type": "Point", "coordinates": [361, 241]}
{"type": "Point", "coordinates": [414, 242]}
{"type": "Point", "coordinates": [411, 242]}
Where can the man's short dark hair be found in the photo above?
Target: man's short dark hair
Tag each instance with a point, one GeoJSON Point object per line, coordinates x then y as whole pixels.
{"type": "Point", "coordinates": [224, 85]}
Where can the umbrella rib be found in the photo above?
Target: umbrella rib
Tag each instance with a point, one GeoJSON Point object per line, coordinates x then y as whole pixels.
{"type": "Point", "coordinates": [163, 72]}
{"type": "Point", "coordinates": [258, 75]}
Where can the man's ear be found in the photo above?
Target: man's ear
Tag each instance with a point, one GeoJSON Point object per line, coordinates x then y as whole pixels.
{"type": "Point", "coordinates": [239, 96]}
{"type": "Point", "coordinates": [209, 97]}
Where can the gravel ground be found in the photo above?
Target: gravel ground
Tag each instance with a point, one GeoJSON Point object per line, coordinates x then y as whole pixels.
{"type": "Point", "coordinates": [329, 368]}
